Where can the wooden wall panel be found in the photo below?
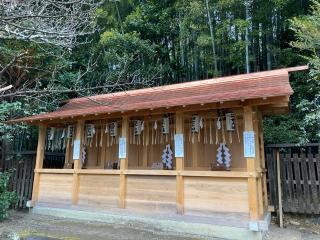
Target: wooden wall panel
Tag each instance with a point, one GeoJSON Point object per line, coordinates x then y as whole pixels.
{"type": "Point", "coordinates": [55, 188]}
{"type": "Point", "coordinates": [151, 194]}
{"type": "Point", "coordinates": [209, 195]}
{"type": "Point", "coordinates": [99, 191]}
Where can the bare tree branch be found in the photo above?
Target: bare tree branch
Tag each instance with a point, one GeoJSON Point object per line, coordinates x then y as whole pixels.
{"type": "Point", "coordinates": [56, 22]}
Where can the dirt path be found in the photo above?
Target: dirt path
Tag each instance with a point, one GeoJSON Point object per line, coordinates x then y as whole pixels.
{"type": "Point", "coordinates": [60, 228]}
{"type": "Point", "coordinates": [51, 228]}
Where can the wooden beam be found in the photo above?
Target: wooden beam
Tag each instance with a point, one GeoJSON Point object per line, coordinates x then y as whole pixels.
{"type": "Point", "coordinates": [39, 162]}
{"type": "Point", "coordinates": [124, 163]}
{"type": "Point", "coordinates": [251, 167]}
{"type": "Point", "coordinates": [77, 162]}
{"type": "Point", "coordinates": [164, 110]}
{"type": "Point", "coordinates": [179, 168]}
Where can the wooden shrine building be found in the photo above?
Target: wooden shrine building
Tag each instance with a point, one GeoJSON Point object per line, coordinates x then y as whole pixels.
{"type": "Point", "coordinates": [185, 151]}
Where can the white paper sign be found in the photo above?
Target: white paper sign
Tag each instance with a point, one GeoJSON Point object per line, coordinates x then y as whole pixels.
{"type": "Point", "coordinates": [122, 147]}
{"type": "Point", "coordinates": [178, 145]}
{"type": "Point", "coordinates": [249, 145]}
{"type": "Point", "coordinates": [76, 149]}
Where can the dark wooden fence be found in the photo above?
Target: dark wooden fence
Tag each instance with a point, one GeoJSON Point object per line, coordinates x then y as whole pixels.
{"type": "Point", "coordinates": [300, 177]}
{"type": "Point", "coordinates": [22, 165]}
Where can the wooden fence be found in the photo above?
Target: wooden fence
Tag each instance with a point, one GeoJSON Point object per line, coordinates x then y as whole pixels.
{"type": "Point", "coordinates": [299, 177]}
{"type": "Point", "coordinates": [22, 164]}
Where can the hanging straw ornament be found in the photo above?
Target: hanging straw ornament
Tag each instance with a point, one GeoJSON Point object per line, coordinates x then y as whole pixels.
{"type": "Point", "coordinates": [205, 134]}
{"type": "Point", "coordinates": [165, 128]}
{"type": "Point", "coordinates": [195, 127]}
{"type": "Point", "coordinates": [106, 131]}
{"type": "Point", "coordinates": [84, 154]}
{"type": "Point", "coordinates": [143, 133]}
{"type": "Point", "coordinates": [138, 128]}
{"type": "Point", "coordinates": [113, 131]}
{"type": "Point", "coordinates": [101, 137]}
{"type": "Point", "coordinates": [91, 131]}
{"type": "Point", "coordinates": [210, 129]}
{"type": "Point", "coordinates": [237, 129]}
{"type": "Point", "coordinates": [64, 139]}
{"type": "Point", "coordinates": [218, 127]}
{"type": "Point", "coordinates": [223, 132]}
{"type": "Point", "coordinates": [230, 125]}
{"type": "Point", "coordinates": [50, 138]}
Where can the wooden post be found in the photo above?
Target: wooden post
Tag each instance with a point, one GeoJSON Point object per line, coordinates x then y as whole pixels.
{"type": "Point", "coordinates": [258, 163]}
{"type": "Point", "coordinates": [39, 162]}
{"type": "Point", "coordinates": [279, 188]}
{"type": "Point", "coordinates": [263, 161]}
{"type": "Point", "coordinates": [124, 163]}
{"type": "Point", "coordinates": [77, 162]}
{"type": "Point", "coordinates": [179, 168]}
{"type": "Point", "coordinates": [251, 168]}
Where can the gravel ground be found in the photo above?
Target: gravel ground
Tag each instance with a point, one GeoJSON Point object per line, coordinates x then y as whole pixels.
{"type": "Point", "coordinates": [50, 228]}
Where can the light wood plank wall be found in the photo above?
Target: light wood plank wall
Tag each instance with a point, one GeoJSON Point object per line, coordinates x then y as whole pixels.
{"type": "Point", "coordinates": [99, 191]}
{"type": "Point", "coordinates": [55, 189]}
{"type": "Point", "coordinates": [151, 194]}
{"type": "Point", "coordinates": [206, 196]}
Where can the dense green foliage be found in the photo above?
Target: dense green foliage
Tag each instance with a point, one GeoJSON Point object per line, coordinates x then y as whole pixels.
{"type": "Point", "coordinates": [6, 198]}
{"type": "Point", "coordinates": [148, 43]}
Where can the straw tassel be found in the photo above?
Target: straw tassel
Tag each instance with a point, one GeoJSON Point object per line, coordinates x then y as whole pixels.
{"type": "Point", "coordinates": [101, 137]}
{"type": "Point", "coordinates": [237, 129]}
{"type": "Point", "coordinates": [223, 133]}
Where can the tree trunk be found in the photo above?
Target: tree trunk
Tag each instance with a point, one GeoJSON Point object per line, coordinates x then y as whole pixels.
{"type": "Point", "coordinates": [212, 40]}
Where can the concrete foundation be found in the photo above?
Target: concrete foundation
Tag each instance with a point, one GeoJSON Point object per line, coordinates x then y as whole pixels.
{"type": "Point", "coordinates": [181, 225]}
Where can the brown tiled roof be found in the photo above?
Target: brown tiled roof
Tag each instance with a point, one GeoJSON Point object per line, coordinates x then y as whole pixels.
{"type": "Point", "coordinates": [240, 87]}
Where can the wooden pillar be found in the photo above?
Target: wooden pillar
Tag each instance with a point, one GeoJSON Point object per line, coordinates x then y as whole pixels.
{"type": "Point", "coordinates": [179, 168]}
{"type": "Point", "coordinates": [77, 164]}
{"type": "Point", "coordinates": [256, 129]}
{"type": "Point", "coordinates": [263, 161]}
{"type": "Point", "coordinates": [124, 163]}
{"type": "Point", "coordinates": [39, 162]}
{"type": "Point", "coordinates": [251, 168]}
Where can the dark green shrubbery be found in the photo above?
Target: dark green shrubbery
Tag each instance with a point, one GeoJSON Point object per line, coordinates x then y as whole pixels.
{"type": "Point", "coordinates": [7, 198]}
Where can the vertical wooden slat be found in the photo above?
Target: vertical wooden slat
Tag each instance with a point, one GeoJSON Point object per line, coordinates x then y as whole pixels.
{"type": "Point", "coordinates": [305, 180]}
{"type": "Point", "coordinates": [251, 167]}
{"type": "Point", "coordinates": [39, 161]}
{"type": "Point", "coordinates": [300, 200]}
{"type": "Point", "coordinates": [291, 186]}
{"type": "Point", "coordinates": [284, 182]}
{"type": "Point", "coordinates": [23, 182]}
{"type": "Point", "coordinates": [317, 164]}
{"type": "Point", "coordinates": [313, 182]}
{"type": "Point", "coordinates": [77, 162]}
{"type": "Point", "coordinates": [271, 180]}
{"type": "Point", "coordinates": [179, 167]}
{"type": "Point", "coordinates": [279, 189]}
{"type": "Point", "coordinates": [124, 163]}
